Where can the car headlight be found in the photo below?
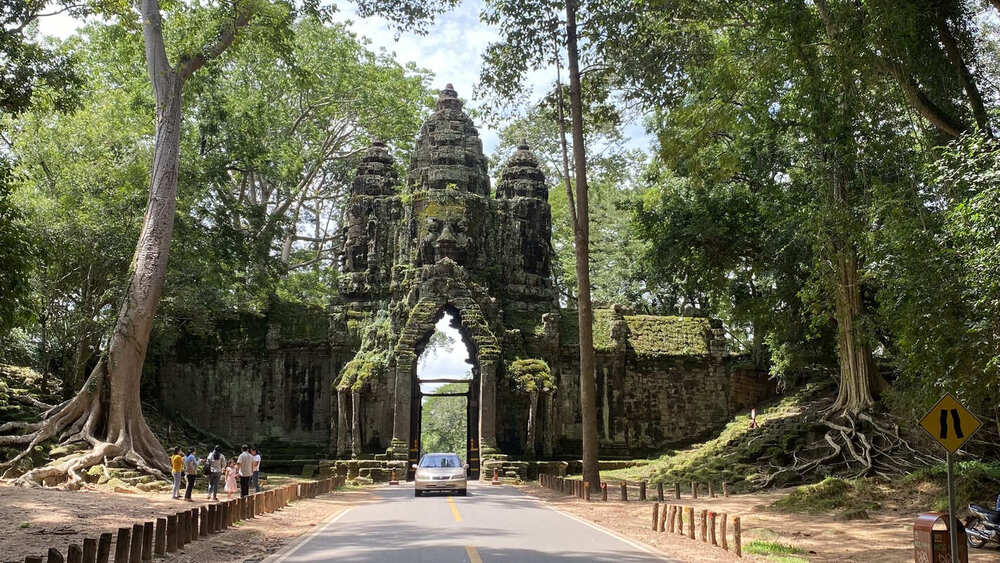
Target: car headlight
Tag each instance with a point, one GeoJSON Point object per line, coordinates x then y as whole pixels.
{"type": "Point", "coordinates": [458, 476]}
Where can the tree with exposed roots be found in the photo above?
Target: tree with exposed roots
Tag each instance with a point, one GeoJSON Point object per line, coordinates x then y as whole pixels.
{"type": "Point", "coordinates": [106, 414]}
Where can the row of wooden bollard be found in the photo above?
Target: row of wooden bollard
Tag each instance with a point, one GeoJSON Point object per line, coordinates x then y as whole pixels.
{"type": "Point", "coordinates": [581, 489]}
{"type": "Point", "coordinates": [143, 541]}
{"type": "Point", "coordinates": [672, 518]}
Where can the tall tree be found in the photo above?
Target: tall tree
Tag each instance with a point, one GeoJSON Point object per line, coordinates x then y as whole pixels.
{"type": "Point", "coordinates": [529, 29]}
{"type": "Point", "coordinates": [107, 412]}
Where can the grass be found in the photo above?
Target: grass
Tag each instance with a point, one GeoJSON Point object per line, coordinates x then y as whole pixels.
{"type": "Point", "coordinates": [851, 496]}
{"type": "Point", "coordinates": [976, 482]}
{"type": "Point", "coordinates": [739, 455]}
{"type": "Point", "coordinates": [775, 551]}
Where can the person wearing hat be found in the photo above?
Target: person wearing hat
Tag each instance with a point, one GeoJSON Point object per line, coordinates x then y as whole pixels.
{"type": "Point", "coordinates": [216, 463]}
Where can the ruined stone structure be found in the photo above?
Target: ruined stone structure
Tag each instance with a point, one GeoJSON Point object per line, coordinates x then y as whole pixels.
{"type": "Point", "coordinates": [441, 241]}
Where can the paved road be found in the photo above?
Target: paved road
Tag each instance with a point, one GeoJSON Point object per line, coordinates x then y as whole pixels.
{"type": "Point", "coordinates": [491, 524]}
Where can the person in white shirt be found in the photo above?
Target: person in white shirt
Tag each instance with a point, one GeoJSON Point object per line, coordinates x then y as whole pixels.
{"type": "Point", "coordinates": [244, 463]}
{"type": "Point", "coordinates": [256, 468]}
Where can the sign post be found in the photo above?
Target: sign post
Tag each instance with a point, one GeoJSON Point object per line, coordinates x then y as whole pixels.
{"type": "Point", "coordinates": [951, 424]}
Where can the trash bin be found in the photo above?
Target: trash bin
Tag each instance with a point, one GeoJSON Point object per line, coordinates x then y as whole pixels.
{"type": "Point", "coordinates": [931, 543]}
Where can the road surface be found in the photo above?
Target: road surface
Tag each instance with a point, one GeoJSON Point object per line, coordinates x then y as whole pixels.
{"type": "Point", "coordinates": [491, 524]}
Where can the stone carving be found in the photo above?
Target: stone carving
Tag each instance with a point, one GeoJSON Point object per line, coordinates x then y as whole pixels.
{"type": "Point", "coordinates": [445, 243]}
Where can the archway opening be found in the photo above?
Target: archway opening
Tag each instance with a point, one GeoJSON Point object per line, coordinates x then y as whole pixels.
{"type": "Point", "coordinates": [446, 395]}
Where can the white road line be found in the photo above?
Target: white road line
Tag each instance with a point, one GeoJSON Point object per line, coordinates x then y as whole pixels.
{"type": "Point", "coordinates": [640, 546]}
{"type": "Point", "coordinates": [290, 550]}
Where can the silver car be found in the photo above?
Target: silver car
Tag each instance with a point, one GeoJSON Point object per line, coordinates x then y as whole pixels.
{"type": "Point", "coordinates": [440, 472]}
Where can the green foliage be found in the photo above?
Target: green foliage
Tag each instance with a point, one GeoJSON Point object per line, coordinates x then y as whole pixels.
{"type": "Point", "coordinates": [17, 250]}
{"type": "Point", "coordinates": [532, 375]}
{"type": "Point", "coordinates": [976, 482]}
{"type": "Point", "coordinates": [372, 357]}
{"type": "Point", "coordinates": [444, 422]}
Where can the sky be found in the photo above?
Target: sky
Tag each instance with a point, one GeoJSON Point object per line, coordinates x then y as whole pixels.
{"type": "Point", "coordinates": [452, 50]}
{"type": "Point", "coordinates": [451, 362]}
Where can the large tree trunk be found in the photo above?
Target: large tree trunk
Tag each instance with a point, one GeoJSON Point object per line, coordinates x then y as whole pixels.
{"type": "Point", "coordinates": [588, 391]}
{"type": "Point", "coordinates": [857, 369]}
{"type": "Point", "coordinates": [107, 412]}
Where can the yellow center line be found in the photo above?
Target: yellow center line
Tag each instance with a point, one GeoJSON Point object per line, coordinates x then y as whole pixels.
{"type": "Point", "coordinates": [473, 554]}
{"type": "Point", "coordinates": [454, 510]}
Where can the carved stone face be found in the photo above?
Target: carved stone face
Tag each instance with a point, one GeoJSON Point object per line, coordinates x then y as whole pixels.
{"type": "Point", "coordinates": [445, 235]}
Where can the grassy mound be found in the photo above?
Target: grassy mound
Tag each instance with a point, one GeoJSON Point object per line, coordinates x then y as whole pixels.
{"type": "Point", "coordinates": [740, 455]}
{"type": "Point", "coordinates": [851, 497]}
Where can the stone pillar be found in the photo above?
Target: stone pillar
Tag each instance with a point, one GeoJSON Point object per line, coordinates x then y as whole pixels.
{"type": "Point", "coordinates": [488, 405]}
{"type": "Point", "coordinates": [342, 423]}
{"type": "Point", "coordinates": [548, 429]}
{"type": "Point", "coordinates": [355, 424]}
{"type": "Point", "coordinates": [401, 410]}
{"type": "Point", "coordinates": [530, 450]}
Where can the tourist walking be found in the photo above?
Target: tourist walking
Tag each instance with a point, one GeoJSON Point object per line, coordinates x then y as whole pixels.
{"type": "Point", "coordinates": [191, 468]}
{"type": "Point", "coordinates": [256, 468]}
{"type": "Point", "coordinates": [231, 473]}
{"type": "Point", "coordinates": [244, 465]}
{"type": "Point", "coordinates": [177, 469]}
{"type": "Point", "coordinates": [216, 463]}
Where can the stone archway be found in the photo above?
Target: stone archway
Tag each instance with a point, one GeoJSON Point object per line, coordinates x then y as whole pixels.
{"type": "Point", "coordinates": [472, 394]}
{"type": "Point", "coordinates": [443, 287]}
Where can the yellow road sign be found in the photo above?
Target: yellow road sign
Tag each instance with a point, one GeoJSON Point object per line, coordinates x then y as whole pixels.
{"type": "Point", "coordinates": [950, 423]}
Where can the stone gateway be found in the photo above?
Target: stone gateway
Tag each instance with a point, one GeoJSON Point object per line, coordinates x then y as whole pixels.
{"type": "Point", "coordinates": [342, 383]}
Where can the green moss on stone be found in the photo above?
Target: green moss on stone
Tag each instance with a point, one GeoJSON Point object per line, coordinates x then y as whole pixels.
{"type": "Point", "coordinates": [668, 336]}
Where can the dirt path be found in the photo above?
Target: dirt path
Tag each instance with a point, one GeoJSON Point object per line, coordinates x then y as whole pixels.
{"type": "Point", "coordinates": [885, 538]}
{"type": "Point", "coordinates": [32, 520]}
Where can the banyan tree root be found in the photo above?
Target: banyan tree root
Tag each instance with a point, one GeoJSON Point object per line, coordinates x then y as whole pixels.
{"type": "Point", "coordinates": [114, 430]}
{"type": "Point", "coordinates": [856, 446]}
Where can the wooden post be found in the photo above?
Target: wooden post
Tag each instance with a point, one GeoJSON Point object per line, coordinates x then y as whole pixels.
{"type": "Point", "coordinates": [659, 491]}
{"type": "Point", "coordinates": [663, 518]}
{"type": "Point", "coordinates": [195, 517]}
{"type": "Point", "coordinates": [172, 535]}
{"type": "Point", "coordinates": [680, 520]}
{"type": "Point", "coordinates": [670, 518]}
{"type": "Point", "coordinates": [203, 521]}
{"type": "Point", "coordinates": [642, 490]}
{"type": "Point", "coordinates": [75, 553]}
{"type": "Point", "coordinates": [711, 492]}
{"type": "Point", "coordinates": [656, 514]}
{"type": "Point", "coordinates": [725, 490]}
{"type": "Point", "coordinates": [624, 491]}
{"type": "Point", "coordinates": [135, 548]}
{"type": "Point", "coordinates": [147, 541]}
{"type": "Point", "coordinates": [711, 527]}
{"type": "Point", "coordinates": [122, 545]}
{"type": "Point", "coordinates": [104, 547]}
{"type": "Point", "coordinates": [33, 559]}
{"type": "Point", "coordinates": [737, 538]}
{"type": "Point", "coordinates": [604, 491]}
{"type": "Point", "coordinates": [160, 534]}
{"type": "Point", "coordinates": [586, 491]}
{"type": "Point", "coordinates": [677, 491]}
{"type": "Point", "coordinates": [690, 519]}
{"type": "Point", "coordinates": [704, 525]}
{"type": "Point", "coordinates": [694, 489]}
{"type": "Point", "coordinates": [722, 528]}
{"type": "Point", "coordinates": [89, 550]}
{"type": "Point", "coordinates": [182, 529]}
{"type": "Point", "coordinates": [55, 556]}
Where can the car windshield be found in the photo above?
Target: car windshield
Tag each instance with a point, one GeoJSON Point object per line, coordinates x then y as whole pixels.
{"type": "Point", "coordinates": [440, 460]}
